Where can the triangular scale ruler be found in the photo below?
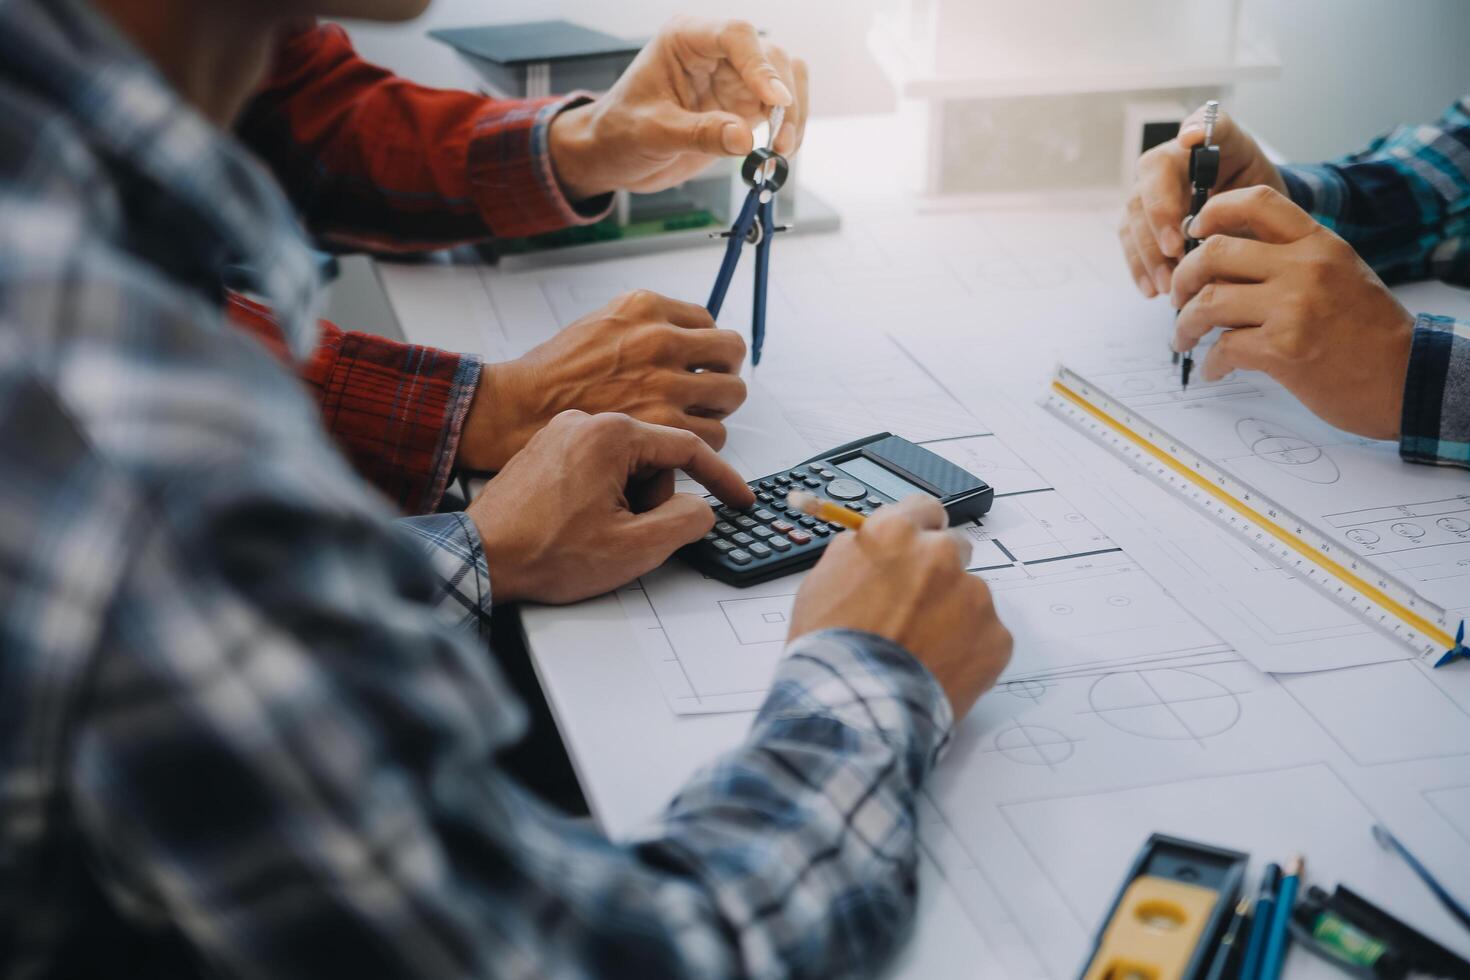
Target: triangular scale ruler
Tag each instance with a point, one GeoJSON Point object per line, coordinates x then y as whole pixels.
{"type": "Point", "coordinates": [1343, 576]}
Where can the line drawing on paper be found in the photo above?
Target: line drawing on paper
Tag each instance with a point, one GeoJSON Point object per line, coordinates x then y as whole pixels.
{"type": "Point", "coordinates": [1172, 704]}
{"type": "Point", "coordinates": [1277, 444]}
{"type": "Point", "coordinates": [1033, 745]}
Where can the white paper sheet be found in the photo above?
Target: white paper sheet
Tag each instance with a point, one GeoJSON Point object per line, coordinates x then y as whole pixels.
{"type": "Point", "coordinates": [1050, 789]}
{"type": "Point", "coordinates": [1116, 720]}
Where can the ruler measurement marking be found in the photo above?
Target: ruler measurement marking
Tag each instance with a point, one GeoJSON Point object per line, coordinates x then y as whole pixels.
{"type": "Point", "coordinates": [1318, 559]}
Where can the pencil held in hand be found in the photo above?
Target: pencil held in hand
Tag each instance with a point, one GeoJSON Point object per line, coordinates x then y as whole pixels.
{"type": "Point", "coordinates": [824, 510]}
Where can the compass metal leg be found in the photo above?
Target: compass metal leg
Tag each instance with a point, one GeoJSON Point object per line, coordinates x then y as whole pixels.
{"type": "Point", "coordinates": [738, 233]}
{"type": "Point", "coordinates": [766, 222]}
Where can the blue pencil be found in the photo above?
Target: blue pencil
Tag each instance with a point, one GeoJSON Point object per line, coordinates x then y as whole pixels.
{"type": "Point", "coordinates": [1255, 947]}
{"type": "Point", "coordinates": [1386, 839]}
{"type": "Point", "coordinates": [1280, 934]}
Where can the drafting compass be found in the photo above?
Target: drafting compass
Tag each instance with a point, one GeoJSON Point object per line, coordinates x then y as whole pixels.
{"type": "Point", "coordinates": [764, 171]}
{"type": "Point", "coordinates": [1204, 171]}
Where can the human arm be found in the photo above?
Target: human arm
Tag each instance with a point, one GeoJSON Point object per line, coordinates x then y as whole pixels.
{"type": "Point", "coordinates": [1403, 203]}
{"type": "Point", "coordinates": [315, 790]}
{"type": "Point", "coordinates": [1295, 300]}
{"type": "Point", "coordinates": [372, 160]}
{"type": "Point", "coordinates": [408, 416]}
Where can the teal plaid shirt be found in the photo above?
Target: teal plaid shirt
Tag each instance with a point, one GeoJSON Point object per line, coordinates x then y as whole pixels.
{"type": "Point", "coordinates": [244, 730]}
{"type": "Point", "coordinates": [1404, 204]}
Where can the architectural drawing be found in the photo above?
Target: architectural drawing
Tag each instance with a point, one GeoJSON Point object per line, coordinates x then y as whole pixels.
{"type": "Point", "coordinates": [1074, 601]}
{"type": "Point", "coordinates": [1042, 804]}
{"type": "Point", "coordinates": [1279, 445]}
{"type": "Point", "coordinates": [1169, 704]}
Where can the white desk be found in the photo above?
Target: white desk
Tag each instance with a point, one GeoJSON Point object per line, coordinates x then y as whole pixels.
{"type": "Point", "coordinates": [630, 751]}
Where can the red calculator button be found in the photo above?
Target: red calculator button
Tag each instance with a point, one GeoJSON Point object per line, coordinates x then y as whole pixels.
{"type": "Point", "coordinates": [799, 537]}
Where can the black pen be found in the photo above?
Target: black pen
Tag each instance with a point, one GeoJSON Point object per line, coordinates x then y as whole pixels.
{"type": "Point", "coordinates": [1204, 170]}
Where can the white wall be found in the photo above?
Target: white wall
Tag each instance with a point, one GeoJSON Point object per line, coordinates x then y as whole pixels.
{"type": "Point", "coordinates": [1351, 67]}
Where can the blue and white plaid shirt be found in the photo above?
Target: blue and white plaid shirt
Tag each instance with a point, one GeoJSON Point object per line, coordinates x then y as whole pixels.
{"type": "Point", "coordinates": [242, 730]}
{"type": "Point", "coordinates": [1404, 205]}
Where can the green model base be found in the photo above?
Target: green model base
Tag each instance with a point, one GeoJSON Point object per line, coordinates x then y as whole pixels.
{"type": "Point", "coordinates": [606, 230]}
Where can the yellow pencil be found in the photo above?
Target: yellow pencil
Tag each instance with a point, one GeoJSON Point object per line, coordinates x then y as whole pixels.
{"type": "Point", "coordinates": [824, 510]}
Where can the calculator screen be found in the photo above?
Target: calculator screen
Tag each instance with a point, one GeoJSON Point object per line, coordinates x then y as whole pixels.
{"type": "Point", "coordinates": [880, 479]}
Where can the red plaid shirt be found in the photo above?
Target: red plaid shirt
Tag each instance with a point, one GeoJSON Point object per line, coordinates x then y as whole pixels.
{"type": "Point", "coordinates": [372, 161]}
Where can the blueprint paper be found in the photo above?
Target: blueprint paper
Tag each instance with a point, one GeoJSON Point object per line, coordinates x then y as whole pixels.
{"type": "Point", "coordinates": [1073, 599]}
{"type": "Point", "coordinates": [1050, 788]}
{"type": "Point", "coordinates": [1382, 507]}
{"type": "Point", "coordinates": [1090, 742]}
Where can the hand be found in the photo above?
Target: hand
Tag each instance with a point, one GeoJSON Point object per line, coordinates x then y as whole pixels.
{"type": "Point", "coordinates": [693, 94]}
{"type": "Point", "coordinates": [1152, 241]}
{"type": "Point", "coordinates": [903, 577]}
{"type": "Point", "coordinates": [638, 355]}
{"type": "Point", "coordinates": [589, 504]}
{"type": "Point", "coordinates": [1300, 305]}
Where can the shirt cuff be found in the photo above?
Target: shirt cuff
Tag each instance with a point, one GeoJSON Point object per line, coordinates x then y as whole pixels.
{"type": "Point", "coordinates": [451, 542]}
{"type": "Point", "coordinates": [867, 683]}
{"type": "Point", "coordinates": [511, 171]}
{"type": "Point", "coordinates": [397, 410]}
{"type": "Point", "coordinates": [1318, 188]}
{"type": "Point", "coordinates": [1436, 417]}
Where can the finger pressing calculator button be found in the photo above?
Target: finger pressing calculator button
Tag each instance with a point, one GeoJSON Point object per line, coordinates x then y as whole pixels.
{"type": "Point", "coordinates": [779, 544]}
{"type": "Point", "coordinates": [743, 538]}
{"type": "Point", "coordinates": [725, 527]}
{"type": "Point", "coordinates": [745, 522]}
{"type": "Point", "coordinates": [760, 550]}
{"type": "Point", "coordinates": [762, 532]}
{"type": "Point", "coordinates": [846, 489]}
{"type": "Point", "coordinates": [739, 557]}
{"type": "Point", "coordinates": [799, 537]}
{"type": "Point", "coordinates": [764, 515]}
{"type": "Point", "coordinates": [723, 546]}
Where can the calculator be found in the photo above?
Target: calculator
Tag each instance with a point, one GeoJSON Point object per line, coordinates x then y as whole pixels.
{"type": "Point", "coordinates": [769, 539]}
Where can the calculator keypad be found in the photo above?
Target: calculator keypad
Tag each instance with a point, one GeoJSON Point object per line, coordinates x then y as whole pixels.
{"type": "Point", "coordinates": [770, 531]}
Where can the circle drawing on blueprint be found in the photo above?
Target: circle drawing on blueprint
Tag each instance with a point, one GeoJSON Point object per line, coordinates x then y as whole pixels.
{"type": "Point", "coordinates": [1454, 525]}
{"type": "Point", "coordinates": [1033, 745]}
{"type": "Point", "coordinates": [1405, 529]}
{"type": "Point", "coordinates": [1026, 690]}
{"type": "Point", "coordinates": [1278, 445]}
{"type": "Point", "coordinates": [1062, 609]}
{"type": "Point", "coordinates": [1361, 535]}
{"type": "Point", "coordinates": [1119, 601]}
{"type": "Point", "coordinates": [1170, 705]}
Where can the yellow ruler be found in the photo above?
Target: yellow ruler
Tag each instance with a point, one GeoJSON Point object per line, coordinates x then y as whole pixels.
{"type": "Point", "coordinates": [1344, 576]}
